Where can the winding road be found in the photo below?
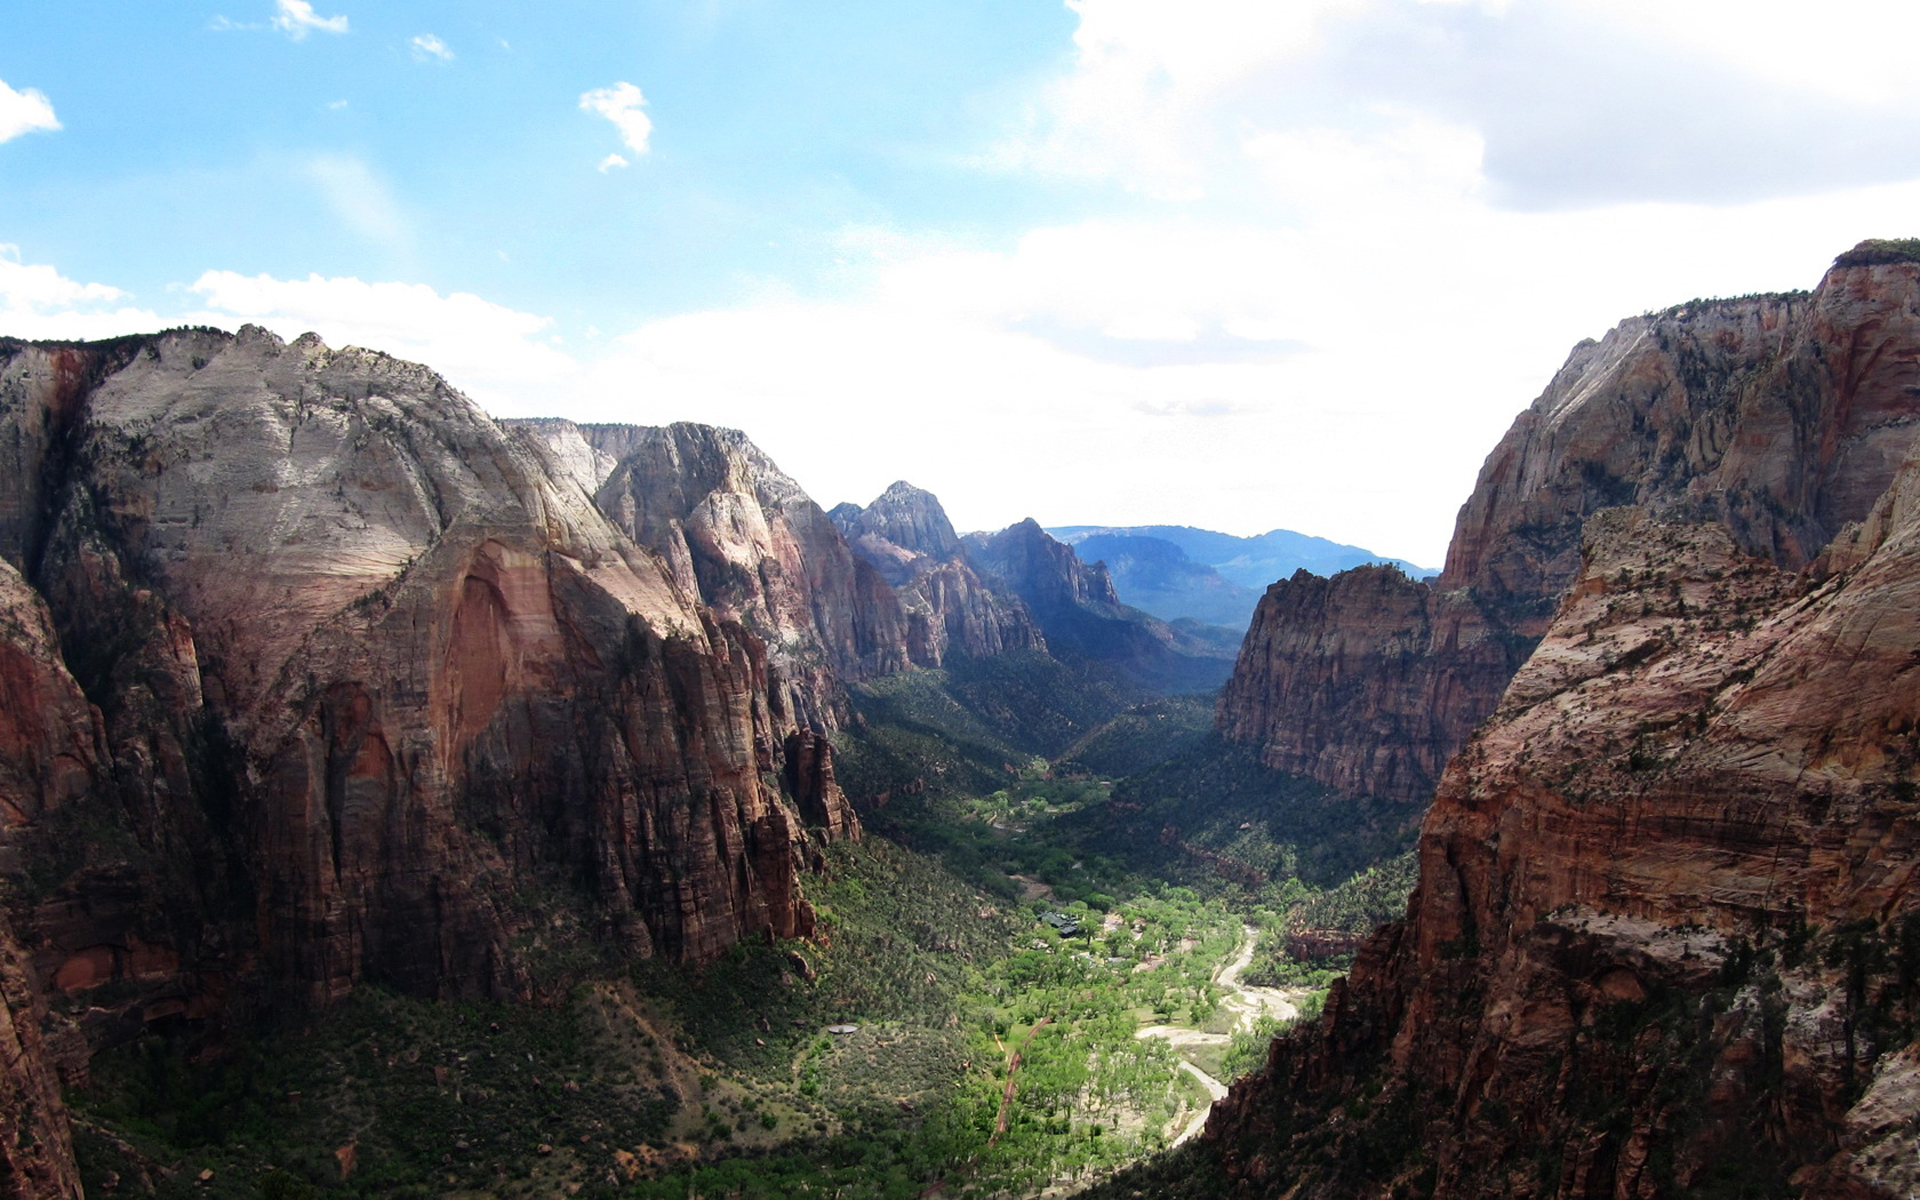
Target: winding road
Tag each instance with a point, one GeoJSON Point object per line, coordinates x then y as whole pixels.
{"type": "Point", "coordinates": [1247, 1004]}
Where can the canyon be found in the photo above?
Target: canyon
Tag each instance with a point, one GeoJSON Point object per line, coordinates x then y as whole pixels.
{"type": "Point", "coordinates": [317, 678]}
{"type": "Point", "coordinates": [1665, 935]}
{"type": "Point", "coordinates": [320, 682]}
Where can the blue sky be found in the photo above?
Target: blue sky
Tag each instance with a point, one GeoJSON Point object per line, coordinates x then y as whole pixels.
{"type": "Point", "coordinates": [1286, 263]}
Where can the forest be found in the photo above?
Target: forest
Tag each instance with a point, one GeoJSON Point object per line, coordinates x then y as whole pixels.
{"type": "Point", "coordinates": [1003, 997]}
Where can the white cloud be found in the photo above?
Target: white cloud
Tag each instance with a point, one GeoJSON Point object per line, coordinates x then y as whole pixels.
{"type": "Point", "coordinates": [1136, 104]}
{"type": "Point", "coordinates": [37, 301]}
{"type": "Point", "coordinates": [428, 48]}
{"type": "Point", "coordinates": [621, 104]}
{"type": "Point", "coordinates": [24, 111]}
{"type": "Point", "coordinates": [1344, 376]}
{"type": "Point", "coordinates": [361, 199]}
{"type": "Point", "coordinates": [610, 162]}
{"type": "Point", "coordinates": [296, 19]}
{"type": "Point", "coordinates": [498, 355]}
{"type": "Point", "coordinates": [1858, 50]}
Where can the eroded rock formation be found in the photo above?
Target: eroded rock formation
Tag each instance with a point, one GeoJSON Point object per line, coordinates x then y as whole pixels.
{"type": "Point", "coordinates": [315, 676]}
{"type": "Point", "coordinates": [950, 609]}
{"type": "Point", "coordinates": [1780, 417]}
{"type": "Point", "coordinates": [1666, 938]}
{"type": "Point", "coordinates": [1080, 615]}
{"type": "Point", "coordinates": [1667, 932]}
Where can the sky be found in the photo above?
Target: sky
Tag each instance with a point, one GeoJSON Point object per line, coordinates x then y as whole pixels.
{"type": "Point", "coordinates": [1238, 264]}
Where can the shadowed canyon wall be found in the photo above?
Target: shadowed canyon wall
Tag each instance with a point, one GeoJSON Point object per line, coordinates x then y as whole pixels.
{"type": "Point", "coordinates": [1781, 418]}
{"type": "Point", "coordinates": [1666, 936]}
{"type": "Point", "coordinates": [315, 676]}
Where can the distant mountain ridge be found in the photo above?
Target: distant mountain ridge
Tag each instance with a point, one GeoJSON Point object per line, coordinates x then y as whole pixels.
{"type": "Point", "coordinates": [1175, 571]}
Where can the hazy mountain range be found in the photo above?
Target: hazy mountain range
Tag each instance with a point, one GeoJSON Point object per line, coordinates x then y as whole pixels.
{"type": "Point", "coordinates": [1175, 571]}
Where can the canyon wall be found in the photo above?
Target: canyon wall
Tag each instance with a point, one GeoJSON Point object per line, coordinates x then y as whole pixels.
{"type": "Point", "coordinates": [315, 676]}
{"type": "Point", "coordinates": [1666, 936]}
{"type": "Point", "coordinates": [1781, 418]}
{"type": "Point", "coordinates": [950, 608]}
{"type": "Point", "coordinates": [1081, 616]}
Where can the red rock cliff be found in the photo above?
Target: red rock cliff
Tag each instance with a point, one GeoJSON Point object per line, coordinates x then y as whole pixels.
{"type": "Point", "coordinates": [365, 677]}
{"type": "Point", "coordinates": [1666, 937]}
{"type": "Point", "coordinates": [950, 608]}
{"type": "Point", "coordinates": [1780, 417]}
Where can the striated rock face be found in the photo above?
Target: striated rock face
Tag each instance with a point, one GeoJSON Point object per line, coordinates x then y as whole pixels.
{"type": "Point", "coordinates": [1081, 617]}
{"type": "Point", "coordinates": [367, 682]}
{"type": "Point", "coordinates": [50, 753]}
{"type": "Point", "coordinates": [902, 526]}
{"type": "Point", "coordinates": [950, 608]}
{"type": "Point", "coordinates": [1367, 681]}
{"type": "Point", "coordinates": [36, 1146]}
{"type": "Point", "coordinates": [1667, 931]}
{"type": "Point", "coordinates": [1781, 418]}
{"type": "Point", "coordinates": [740, 535]}
{"type": "Point", "coordinates": [1666, 940]}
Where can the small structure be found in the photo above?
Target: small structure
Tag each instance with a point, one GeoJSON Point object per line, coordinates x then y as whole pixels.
{"type": "Point", "coordinates": [1065, 924]}
{"type": "Point", "coordinates": [843, 1029]}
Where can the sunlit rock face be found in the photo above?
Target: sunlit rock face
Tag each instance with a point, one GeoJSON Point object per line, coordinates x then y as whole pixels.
{"type": "Point", "coordinates": [1666, 936]}
{"type": "Point", "coordinates": [1780, 418]}
{"type": "Point", "coordinates": [950, 608]}
{"type": "Point", "coordinates": [314, 675]}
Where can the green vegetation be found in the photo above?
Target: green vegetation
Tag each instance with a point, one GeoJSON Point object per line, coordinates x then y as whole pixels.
{"type": "Point", "coordinates": [721, 1079]}
{"type": "Point", "coordinates": [1876, 252]}
{"type": "Point", "coordinates": [935, 1034]}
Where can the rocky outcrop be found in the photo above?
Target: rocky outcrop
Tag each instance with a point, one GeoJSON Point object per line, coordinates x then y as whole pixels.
{"type": "Point", "coordinates": [1156, 575]}
{"type": "Point", "coordinates": [1666, 936]}
{"type": "Point", "coordinates": [950, 609]}
{"type": "Point", "coordinates": [1667, 917]}
{"type": "Point", "coordinates": [1781, 418]}
{"type": "Point", "coordinates": [903, 526]}
{"type": "Point", "coordinates": [1081, 617]}
{"type": "Point", "coordinates": [36, 1145]}
{"type": "Point", "coordinates": [738, 533]}
{"type": "Point", "coordinates": [1367, 681]}
{"type": "Point", "coordinates": [369, 687]}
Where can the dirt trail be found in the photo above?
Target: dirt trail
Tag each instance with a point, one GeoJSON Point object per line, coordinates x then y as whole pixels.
{"type": "Point", "coordinates": [1247, 1004]}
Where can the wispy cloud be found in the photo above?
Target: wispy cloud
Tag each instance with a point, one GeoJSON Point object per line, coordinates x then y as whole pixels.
{"type": "Point", "coordinates": [297, 19]}
{"type": "Point", "coordinates": [611, 161]}
{"type": "Point", "coordinates": [361, 199]}
{"type": "Point", "coordinates": [621, 104]}
{"type": "Point", "coordinates": [24, 111]}
{"type": "Point", "coordinates": [428, 48]}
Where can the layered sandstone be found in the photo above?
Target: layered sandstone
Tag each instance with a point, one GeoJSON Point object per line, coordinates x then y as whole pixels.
{"type": "Point", "coordinates": [36, 1145]}
{"type": "Point", "coordinates": [1667, 927]}
{"type": "Point", "coordinates": [737, 532]}
{"type": "Point", "coordinates": [1081, 616]}
{"type": "Point", "coordinates": [950, 608]}
{"type": "Point", "coordinates": [1367, 681]}
{"type": "Point", "coordinates": [1781, 418]}
{"type": "Point", "coordinates": [368, 680]}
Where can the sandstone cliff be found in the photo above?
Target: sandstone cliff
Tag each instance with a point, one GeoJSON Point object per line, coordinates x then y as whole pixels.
{"type": "Point", "coordinates": [1666, 937]}
{"type": "Point", "coordinates": [1367, 682]}
{"type": "Point", "coordinates": [1667, 932]}
{"type": "Point", "coordinates": [337, 682]}
{"type": "Point", "coordinates": [742, 536]}
{"type": "Point", "coordinates": [1781, 418]}
{"type": "Point", "coordinates": [1081, 617]}
{"type": "Point", "coordinates": [950, 608]}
